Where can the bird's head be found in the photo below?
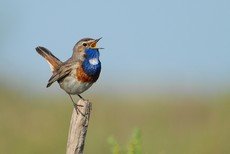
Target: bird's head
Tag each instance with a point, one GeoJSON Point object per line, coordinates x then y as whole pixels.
{"type": "Point", "coordinates": [79, 50]}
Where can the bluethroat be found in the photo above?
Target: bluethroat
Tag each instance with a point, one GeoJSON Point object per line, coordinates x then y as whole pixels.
{"type": "Point", "coordinates": [79, 72]}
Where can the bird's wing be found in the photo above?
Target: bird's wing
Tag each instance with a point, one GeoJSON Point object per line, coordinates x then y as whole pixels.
{"type": "Point", "coordinates": [62, 72]}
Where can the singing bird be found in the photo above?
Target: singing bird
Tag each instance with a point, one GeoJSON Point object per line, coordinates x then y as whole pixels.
{"type": "Point", "coordinates": [79, 72]}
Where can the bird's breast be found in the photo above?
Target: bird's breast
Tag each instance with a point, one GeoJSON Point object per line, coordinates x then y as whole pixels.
{"type": "Point", "coordinates": [72, 86]}
{"type": "Point", "coordinates": [83, 76]}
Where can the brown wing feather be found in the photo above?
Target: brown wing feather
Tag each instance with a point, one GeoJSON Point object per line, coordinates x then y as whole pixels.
{"type": "Point", "coordinates": [62, 72]}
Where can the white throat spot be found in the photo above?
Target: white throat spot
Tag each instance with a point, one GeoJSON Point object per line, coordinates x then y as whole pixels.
{"type": "Point", "coordinates": [93, 61]}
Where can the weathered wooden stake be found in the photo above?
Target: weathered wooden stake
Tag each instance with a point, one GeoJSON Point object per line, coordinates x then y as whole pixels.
{"type": "Point", "coordinates": [78, 128]}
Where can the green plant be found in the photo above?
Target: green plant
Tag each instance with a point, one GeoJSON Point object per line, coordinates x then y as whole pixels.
{"type": "Point", "coordinates": [134, 145]}
{"type": "Point", "coordinates": [115, 148]}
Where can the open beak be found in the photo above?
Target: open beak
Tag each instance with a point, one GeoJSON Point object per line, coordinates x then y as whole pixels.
{"type": "Point", "coordinates": [98, 39]}
{"type": "Point", "coordinates": [94, 44]}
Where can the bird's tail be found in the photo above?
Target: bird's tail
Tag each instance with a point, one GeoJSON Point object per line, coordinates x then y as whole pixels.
{"type": "Point", "coordinates": [53, 61]}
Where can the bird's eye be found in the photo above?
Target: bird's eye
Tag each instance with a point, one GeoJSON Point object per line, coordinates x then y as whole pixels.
{"type": "Point", "coordinates": [84, 44]}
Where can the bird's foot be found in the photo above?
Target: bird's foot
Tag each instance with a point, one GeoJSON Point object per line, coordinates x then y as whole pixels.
{"type": "Point", "coordinates": [76, 106]}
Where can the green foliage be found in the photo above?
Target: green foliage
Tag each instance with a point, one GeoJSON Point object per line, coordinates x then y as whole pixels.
{"type": "Point", "coordinates": [115, 148]}
{"type": "Point", "coordinates": [135, 143]}
{"type": "Point", "coordinates": [134, 146]}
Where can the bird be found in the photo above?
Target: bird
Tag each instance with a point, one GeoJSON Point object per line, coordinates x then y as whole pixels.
{"type": "Point", "coordinates": [79, 72]}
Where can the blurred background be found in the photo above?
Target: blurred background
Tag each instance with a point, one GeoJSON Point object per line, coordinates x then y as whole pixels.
{"type": "Point", "coordinates": [165, 70]}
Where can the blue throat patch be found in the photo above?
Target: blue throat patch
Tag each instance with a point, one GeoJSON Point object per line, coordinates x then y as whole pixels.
{"type": "Point", "coordinates": [92, 70]}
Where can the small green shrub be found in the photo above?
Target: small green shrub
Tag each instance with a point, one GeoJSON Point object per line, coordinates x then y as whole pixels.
{"type": "Point", "coordinates": [115, 148]}
{"type": "Point", "coordinates": [134, 145]}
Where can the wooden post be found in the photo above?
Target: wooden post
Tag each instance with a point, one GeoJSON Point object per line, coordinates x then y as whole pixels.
{"type": "Point", "coordinates": [78, 128]}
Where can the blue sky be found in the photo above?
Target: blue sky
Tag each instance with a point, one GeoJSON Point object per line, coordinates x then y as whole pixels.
{"type": "Point", "coordinates": [149, 45]}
